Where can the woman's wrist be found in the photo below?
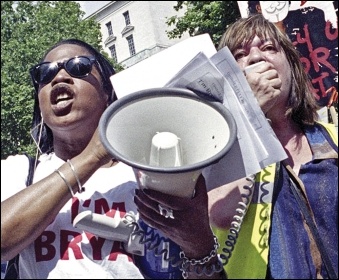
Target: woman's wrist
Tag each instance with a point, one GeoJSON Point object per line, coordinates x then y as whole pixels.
{"type": "Point", "coordinates": [209, 266]}
{"type": "Point", "coordinates": [199, 246]}
{"type": "Point", "coordinates": [213, 269]}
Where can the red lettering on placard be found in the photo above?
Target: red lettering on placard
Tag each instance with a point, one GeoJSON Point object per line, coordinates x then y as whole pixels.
{"type": "Point", "coordinates": [320, 81]}
{"type": "Point", "coordinates": [70, 241]}
{"type": "Point", "coordinates": [317, 61]}
{"type": "Point", "coordinates": [102, 207]}
{"type": "Point", "coordinates": [317, 56]}
{"type": "Point", "coordinates": [43, 246]}
{"type": "Point", "coordinates": [331, 36]}
{"type": "Point", "coordinates": [96, 243]}
{"type": "Point", "coordinates": [74, 208]}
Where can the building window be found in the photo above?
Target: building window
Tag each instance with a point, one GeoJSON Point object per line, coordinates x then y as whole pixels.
{"type": "Point", "coordinates": [109, 28]}
{"type": "Point", "coordinates": [131, 45]}
{"type": "Point", "coordinates": [127, 19]}
{"type": "Point", "coordinates": [113, 53]}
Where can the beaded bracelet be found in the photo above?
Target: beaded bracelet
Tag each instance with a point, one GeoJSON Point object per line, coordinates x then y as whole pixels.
{"type": "Point", "coordinates": [207, 270]}
{"type": "Point", "coordinates": [66, 182]}
{"type": "Point", "coordinates": [80, 187]}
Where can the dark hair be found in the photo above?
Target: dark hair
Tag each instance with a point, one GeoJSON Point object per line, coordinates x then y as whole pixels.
{"type": "Point", "coordinates": [302, 105]}
{"type": "Point", "coordinates": [105, 69]}
{"type": "Point", "coordinates": [252, 7]}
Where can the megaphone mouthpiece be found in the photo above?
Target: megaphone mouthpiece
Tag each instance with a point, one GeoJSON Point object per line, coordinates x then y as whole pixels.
{"type": "Point", "coordinates": [165, 150]}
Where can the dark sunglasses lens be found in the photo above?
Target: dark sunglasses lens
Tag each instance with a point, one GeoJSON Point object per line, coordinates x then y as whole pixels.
{"type": "Point", "coordinates": [45, 73]}
{"type": "Point", "coordinates": [79, 67]}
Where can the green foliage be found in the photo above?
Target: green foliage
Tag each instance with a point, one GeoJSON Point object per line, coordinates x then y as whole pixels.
{"type": "Point", "coordinates": [212, 17]}
{"type": "Point", "coordinates": [28, 29]}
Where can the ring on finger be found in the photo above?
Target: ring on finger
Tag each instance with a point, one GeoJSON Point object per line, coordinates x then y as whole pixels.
{"type": "Point", "coordinates": [165, 211]}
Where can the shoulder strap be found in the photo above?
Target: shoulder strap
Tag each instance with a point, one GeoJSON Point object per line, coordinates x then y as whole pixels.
{"type": "Point", "coordinates": [29, 179]}
{"type": "Point", "coordinates": [12, 269]}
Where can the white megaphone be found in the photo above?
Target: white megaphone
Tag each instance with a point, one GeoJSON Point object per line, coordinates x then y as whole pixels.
{"type": "Point", "coordinates": [167, 135]}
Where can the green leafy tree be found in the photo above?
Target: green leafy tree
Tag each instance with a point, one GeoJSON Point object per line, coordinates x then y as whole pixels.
{"type": "Point", "coordinates": [28, 29]}
{"type": "Point", "coordinates": [212, 17]}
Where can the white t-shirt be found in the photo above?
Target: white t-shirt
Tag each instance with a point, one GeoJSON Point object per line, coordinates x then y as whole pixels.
{"type": "Point", "coordinates": [63, 251]}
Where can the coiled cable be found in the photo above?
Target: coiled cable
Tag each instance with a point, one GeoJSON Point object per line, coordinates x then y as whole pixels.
{"type": "Point", "coordinates": [152, 240]}
{"type": "Point", "coordinates": [237, 221]}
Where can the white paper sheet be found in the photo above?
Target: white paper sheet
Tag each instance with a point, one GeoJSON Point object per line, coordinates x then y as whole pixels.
{"type": "Point", "coordinates": [158, 69]}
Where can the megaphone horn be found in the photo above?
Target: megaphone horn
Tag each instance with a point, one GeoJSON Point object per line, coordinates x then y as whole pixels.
{"type": "Point", "coordinates": [167, 135]}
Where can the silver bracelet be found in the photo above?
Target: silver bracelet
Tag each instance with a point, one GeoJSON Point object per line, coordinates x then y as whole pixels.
{"type": "Point", "coordinates": [66, 182]}
{"type": "Point", "coordinates": [199, 265]}
{"type": "Point", "coordinates": [80, 187]}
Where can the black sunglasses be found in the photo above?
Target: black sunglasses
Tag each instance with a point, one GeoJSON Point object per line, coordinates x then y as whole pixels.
{"type": "Point", "coordinates": [77, 67]}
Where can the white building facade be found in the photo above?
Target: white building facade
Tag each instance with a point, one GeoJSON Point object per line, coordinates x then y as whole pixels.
{"type": "Point", "coordinates": [134, 30]}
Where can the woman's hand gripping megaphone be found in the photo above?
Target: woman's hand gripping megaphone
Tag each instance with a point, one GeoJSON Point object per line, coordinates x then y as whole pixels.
{"type": "Point", "coordinates": [189, 221]}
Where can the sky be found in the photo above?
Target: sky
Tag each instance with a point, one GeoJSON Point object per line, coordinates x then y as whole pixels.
{"type": "Point", "coordinates": [91, 6]}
